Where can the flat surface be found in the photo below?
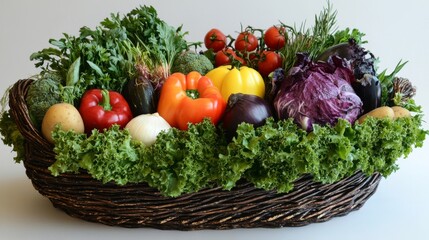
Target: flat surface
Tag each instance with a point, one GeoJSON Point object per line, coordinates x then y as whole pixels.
{"type": "Point", "coordinates": [395, 30]}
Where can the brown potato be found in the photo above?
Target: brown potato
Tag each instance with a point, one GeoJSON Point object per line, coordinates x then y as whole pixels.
{"type": "Point", "coordinates": [64, 114]}
{"type": "Point", "coordinates": [380, 112]}
{"type": "Point", "coordinates": [400, 112]}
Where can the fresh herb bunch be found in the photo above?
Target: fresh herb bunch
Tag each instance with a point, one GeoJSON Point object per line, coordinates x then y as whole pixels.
{"type": "Point", "coordinates": [386, 81]}
{"type": "Point", "coordinates": [313, 41]}
{"type": "Point", "coordinates": [99, 58]}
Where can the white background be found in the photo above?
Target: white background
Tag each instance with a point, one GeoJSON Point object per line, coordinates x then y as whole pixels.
{"type": "Point", "coordinates": [395, 30]}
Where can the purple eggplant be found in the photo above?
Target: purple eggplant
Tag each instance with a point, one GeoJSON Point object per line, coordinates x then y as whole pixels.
{"type": "Point", "coordinates": [368, 88]}
{"type": "Point", "coordinates": [246, 108]}
{"type": "Point", "coordinates": [342, 50]}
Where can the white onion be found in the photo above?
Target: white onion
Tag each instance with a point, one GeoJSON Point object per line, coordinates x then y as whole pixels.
{"type": "Point", "coordinates": [146, 127]}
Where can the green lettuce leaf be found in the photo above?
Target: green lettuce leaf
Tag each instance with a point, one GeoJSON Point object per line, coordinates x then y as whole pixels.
{"type": "Point", "coordinates": [271, 157]}
{"type": "Point", "coordinates": [11, 136]}
{"type": "Point", "coordinates": [182, 161]}
{"type": "Point", "coordinates": [108, 156]}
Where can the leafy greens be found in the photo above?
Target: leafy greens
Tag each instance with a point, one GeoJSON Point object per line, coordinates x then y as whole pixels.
{"type": "Point", "coordinates": [100, 57]}
{"type": "Point", "coordinates": [11, 136]}
{"type": "Point", "coordinates": [271, 157]}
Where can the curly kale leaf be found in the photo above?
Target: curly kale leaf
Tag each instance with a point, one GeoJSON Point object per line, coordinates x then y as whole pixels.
{"type": "Point", "coordinates": [271, 157]}
{"type": "Point", "coordinates": [282, 153]}
{"type": "Point", "coordinates": [378, 143]}
{"type": "Point", "coordinates": [108, 156]}
{"type": "Point", "coordinates": [182, 161]}
{"type": "Point", "coordinates": [11, 136]}
{"type": "Point", "coordinates": [277, 164]}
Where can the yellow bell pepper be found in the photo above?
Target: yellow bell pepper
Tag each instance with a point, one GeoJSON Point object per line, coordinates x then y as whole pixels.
{"type": "Point", "coordinates": [231, 80]}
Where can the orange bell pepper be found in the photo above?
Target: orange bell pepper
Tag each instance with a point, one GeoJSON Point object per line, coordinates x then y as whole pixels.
{"type": "Point", "coordinates": [189, 99]}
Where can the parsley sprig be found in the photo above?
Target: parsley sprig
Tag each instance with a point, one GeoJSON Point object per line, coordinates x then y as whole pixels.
{"type": "Point", "coordinates": [103, 53]}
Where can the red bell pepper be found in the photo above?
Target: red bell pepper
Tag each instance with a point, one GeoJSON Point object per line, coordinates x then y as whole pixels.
{"type": "Point", "coordinates": [100, 109]}
{"type": "Point", "coordinates": [189, 99]}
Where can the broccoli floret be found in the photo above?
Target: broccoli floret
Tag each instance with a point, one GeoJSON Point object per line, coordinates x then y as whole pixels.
{"type": "Point", "coordinates": [189, 61]}
{"type": "Point", "coordinates": [42, 94]}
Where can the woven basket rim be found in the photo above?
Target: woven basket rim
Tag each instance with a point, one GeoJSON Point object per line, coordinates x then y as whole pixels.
{"type": "Point", "coordinates": [138, 205]}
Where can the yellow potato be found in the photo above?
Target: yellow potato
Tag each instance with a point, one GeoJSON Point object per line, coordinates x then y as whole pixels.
{"type": "Point", "coordinates": [380, 112]}
{"type": "Point", "coordinates": [400, 112]}
{"type": "Point", "coordinates": [64, 114]}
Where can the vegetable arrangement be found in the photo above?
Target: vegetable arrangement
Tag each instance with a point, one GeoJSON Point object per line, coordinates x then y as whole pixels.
{"type": "Point", "coordinates": [267, 106]}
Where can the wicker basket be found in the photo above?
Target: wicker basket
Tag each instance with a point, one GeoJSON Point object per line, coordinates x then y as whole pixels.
{"type": "Point", "coordinates": [138, 205]}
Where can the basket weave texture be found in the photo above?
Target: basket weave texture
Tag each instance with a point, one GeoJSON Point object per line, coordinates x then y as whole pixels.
{"type": "Point", "coordinates": [138, 205]}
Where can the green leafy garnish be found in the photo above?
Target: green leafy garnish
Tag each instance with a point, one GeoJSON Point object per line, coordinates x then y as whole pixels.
{"type": "Point", "coordinates": [316, 39]}
{"type": "Point", "coordinates": [386, 82]}
{"type": "Point", "coordinates": [11, 136]}
{"type": "Point", "coordinates": [183, 161]}
{"type": "Point", "coordinates": [272, 157]}
{"type": "Point", "coordinates": [100, 57]}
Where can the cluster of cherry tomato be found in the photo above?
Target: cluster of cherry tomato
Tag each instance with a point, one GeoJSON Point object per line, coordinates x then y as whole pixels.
{"type": "Point", "coordinates": [259, 51]}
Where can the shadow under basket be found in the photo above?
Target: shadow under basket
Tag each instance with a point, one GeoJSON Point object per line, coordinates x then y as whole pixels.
{"type": "Point", "coordinates": [138, 205]}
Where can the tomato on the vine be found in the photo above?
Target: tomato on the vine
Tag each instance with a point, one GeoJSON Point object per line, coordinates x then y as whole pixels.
{"type": "Point", "coordinates": [225, 56]}
{"type": "Point", "coordinates": [215, 40]}
{"type": "Point", "coordinates": [268, 62]}
{"type": "Point", "coordinates": [246, 41]}
{"type": "Point", "coordinates": [274, 37]}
